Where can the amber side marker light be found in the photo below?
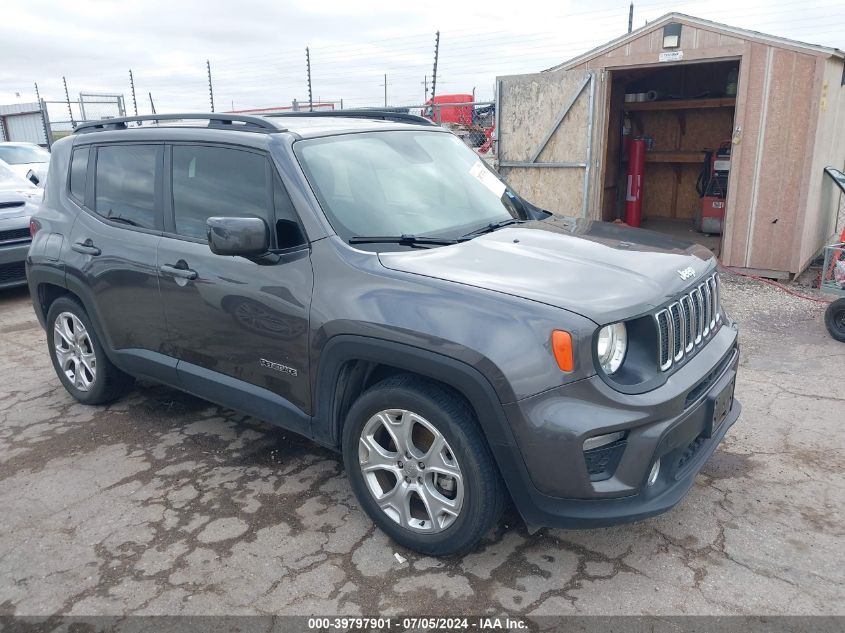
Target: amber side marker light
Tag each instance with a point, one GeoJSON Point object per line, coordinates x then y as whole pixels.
{"type": "Point", "coordinates": [562, 348]}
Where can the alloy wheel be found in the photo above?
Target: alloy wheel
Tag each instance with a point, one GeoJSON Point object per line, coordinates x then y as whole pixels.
{"type": "Point", "coordinates": [75, 351]}
{"type": "Point", "coordinates": [411, 470]}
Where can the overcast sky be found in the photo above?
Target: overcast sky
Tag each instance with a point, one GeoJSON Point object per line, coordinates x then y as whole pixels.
{"type": "Point", "coordinates": [257, 49]}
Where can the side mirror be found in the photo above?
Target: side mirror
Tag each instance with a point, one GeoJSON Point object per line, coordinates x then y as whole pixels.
{"type": "Point", "coordinates": [32, 177]}
{"type": "Point", "coordinates": [245, 237]}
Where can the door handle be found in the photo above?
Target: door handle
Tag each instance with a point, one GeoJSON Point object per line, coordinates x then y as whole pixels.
{"type": "Point", "coordinates": [86, 248]}
{"type": "Point", "coordinates": [178, 271]}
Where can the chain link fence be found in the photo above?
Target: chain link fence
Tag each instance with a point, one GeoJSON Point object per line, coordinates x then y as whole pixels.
{"type": "Point", "coordinates": [474, 122]}
{"type": "Point", "coordinates": [64, 115]}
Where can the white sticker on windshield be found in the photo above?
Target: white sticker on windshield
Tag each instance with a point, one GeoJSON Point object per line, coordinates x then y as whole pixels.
{"type": "Point", "coordinates": [486, 178]}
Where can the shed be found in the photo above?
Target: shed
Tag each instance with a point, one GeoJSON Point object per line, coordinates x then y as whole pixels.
{"type": "Point", "coordinates": [688, 85]}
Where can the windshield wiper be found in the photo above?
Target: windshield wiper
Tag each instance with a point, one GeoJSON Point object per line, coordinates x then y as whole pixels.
{"type": "Point", "coordinates": [489, 228]}
{"type": "Point", "coordinates": [400, 239]}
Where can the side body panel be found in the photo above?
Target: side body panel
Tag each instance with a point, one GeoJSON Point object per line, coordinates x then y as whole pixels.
{"type": "Point", "coordinates": [237, 314]}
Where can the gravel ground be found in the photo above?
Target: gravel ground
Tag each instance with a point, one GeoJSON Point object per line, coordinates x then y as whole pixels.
{"type": "Point", "coordinates": [164, 504]}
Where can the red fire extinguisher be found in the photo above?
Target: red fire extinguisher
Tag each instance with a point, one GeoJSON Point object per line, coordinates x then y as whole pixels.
{"type": "Point", "coordinates": [634, 192]}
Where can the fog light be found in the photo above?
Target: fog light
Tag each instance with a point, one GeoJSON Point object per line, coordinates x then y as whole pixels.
{"type": "Point", "coordinates": [652, 476]}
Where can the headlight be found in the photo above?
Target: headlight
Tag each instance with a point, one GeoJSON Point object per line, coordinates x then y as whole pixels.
{"type": "Point", "coordinates": [611, 346]}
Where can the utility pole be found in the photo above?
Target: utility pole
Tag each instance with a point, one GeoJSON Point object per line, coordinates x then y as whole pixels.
{"type": "Point", "coordinates": [67, 98]}
{"type": "Point", "coordinates": [308, 67]}
{"type": "Point", "coordinates": [434, 75]}
{"type": "Point", "coordinates": [631, 17]}
{"type": "Point", "coordinates": [132, 85]}
{"type": "Point", "coordinates": [210, 88]}
{"type": "Point", "coordinates": [152, 105]}
{"type": "Point", "coordinates": [41, 111]}
{"type": "Point", "coordinates": [385, 90]}
{"type": "Point", "coordinates": [424, 84]}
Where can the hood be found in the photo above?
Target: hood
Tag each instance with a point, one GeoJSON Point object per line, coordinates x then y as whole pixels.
{"type": "Point", "coordinates": [19, 203]}
{"type": "Point", "coordinates": [605, 272]}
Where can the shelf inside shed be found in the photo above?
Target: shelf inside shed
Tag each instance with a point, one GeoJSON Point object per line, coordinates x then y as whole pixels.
{"type": "Point", "coordinates": [679, 104]}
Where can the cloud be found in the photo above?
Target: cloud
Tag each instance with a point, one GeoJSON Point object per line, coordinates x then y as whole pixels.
{"type": "Point", "coordinates": [257, 49]}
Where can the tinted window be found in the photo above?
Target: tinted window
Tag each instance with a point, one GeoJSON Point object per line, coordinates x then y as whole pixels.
{"type": "Point", "coordinates": [288, 233]}
{"type": "Point", "coordinates": [216, 181]}
{"type": "Point", "coordinates": [125, 185]}
{"type": "Point", "coordinates": [78, 172]}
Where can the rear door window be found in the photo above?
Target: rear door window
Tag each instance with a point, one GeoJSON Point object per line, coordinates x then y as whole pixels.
{"type": "Point", "coordinates": [213, 181]}
{"type": "Point", "coordinates": [125, 185]}
{"type": "Point", "coordinates": [78, 173]}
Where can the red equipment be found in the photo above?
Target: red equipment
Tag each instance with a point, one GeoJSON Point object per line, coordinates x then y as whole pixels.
{"type": "Point", "coordinates": [712, 187]}
{"type": "Point", "coordinates": [472, 123]}
{"type": "Point", "coordinates": [634, 192]}
{"type": "Point", "coordinates": [456, 114]}
{"type": "Point", "coordinates": [712, 215]}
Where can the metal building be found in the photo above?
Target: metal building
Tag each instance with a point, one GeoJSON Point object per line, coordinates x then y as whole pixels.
{"type": "Point", "coordinates": [686, 85]}
{"type": "Point", "coordinates": [24, 122]}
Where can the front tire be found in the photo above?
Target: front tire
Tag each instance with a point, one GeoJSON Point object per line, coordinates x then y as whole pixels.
{"type": "Point", "coordinates": [78, 356]}
{"type": "Point", "coordinates": [420, 467]}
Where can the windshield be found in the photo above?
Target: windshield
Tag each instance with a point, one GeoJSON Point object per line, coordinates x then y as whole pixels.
{"type": "Point", "coordinates": [20, 154]}
{"type": "Point", "coordinates": [425, 184]}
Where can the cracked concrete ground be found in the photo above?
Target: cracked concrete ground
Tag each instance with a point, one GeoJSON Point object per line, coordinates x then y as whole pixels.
{"type": "Point", "coordinates": [165, 504]}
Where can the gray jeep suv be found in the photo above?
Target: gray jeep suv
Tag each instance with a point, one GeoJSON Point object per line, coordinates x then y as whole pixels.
{"type": "Point", "coordinates": [365, 280]}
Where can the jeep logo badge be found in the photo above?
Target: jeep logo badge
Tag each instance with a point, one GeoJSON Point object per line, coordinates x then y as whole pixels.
{"type": "Point", "coordinates": [686, 273]}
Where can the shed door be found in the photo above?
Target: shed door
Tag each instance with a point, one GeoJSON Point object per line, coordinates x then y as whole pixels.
{"type": "Point", "coordinates": [545, 137]}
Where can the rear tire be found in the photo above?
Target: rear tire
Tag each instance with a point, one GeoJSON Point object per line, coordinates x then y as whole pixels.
{"type": "Point", "coordinates": [834, 319]}
{"type": "Point", "coordinates": [78, 356]}
{"type": "Point", "coordinates": [420, 466]}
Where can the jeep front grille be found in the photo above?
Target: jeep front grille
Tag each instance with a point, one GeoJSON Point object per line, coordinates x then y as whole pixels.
{"type": "Point", "coordinates": [687, 323]}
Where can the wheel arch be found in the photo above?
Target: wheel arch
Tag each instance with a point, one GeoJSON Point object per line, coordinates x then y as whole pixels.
{"type": "Point", "coordinates": [47, 284]}
{"type": "Point", "coordinates": [350, 363]}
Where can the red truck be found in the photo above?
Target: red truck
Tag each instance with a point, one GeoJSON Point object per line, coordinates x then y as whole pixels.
{"type": "Point", "coordinates": [474, 124]}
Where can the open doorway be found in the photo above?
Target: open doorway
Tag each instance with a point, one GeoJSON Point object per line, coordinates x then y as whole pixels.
{"type": "Point", "coordinates": [684, 116]}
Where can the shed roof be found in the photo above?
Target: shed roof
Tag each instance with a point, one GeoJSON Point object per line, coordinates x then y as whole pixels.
{"type": "Point", "coordinates": [746, 34]}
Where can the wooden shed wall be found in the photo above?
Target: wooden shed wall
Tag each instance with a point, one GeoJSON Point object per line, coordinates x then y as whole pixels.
{"type": "Point", "coordinates": [823, 199]}
{"type": "Point", "coordinates": [697, 44]}
{"type": "Point", "coordinates": [774, 162]}
{"type": "Point", "coordinates": [529, 107]}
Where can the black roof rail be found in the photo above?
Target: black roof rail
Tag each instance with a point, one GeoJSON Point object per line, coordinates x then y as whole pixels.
{"type": "Point", "coordinates": [361, 113]}
{"type": "Point", "coordinates": [220, 121]}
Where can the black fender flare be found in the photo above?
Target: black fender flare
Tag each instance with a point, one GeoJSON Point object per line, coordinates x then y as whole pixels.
{"type": "Point", "coordinates": [462, 377]}
{"type": "Point", "coordinates": [38, 274]}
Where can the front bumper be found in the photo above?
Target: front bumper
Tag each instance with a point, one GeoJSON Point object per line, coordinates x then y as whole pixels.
{"type": "Point", "coordinates": [12, 270]}
{"type": "Point", "coordinates": [672, 424]}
